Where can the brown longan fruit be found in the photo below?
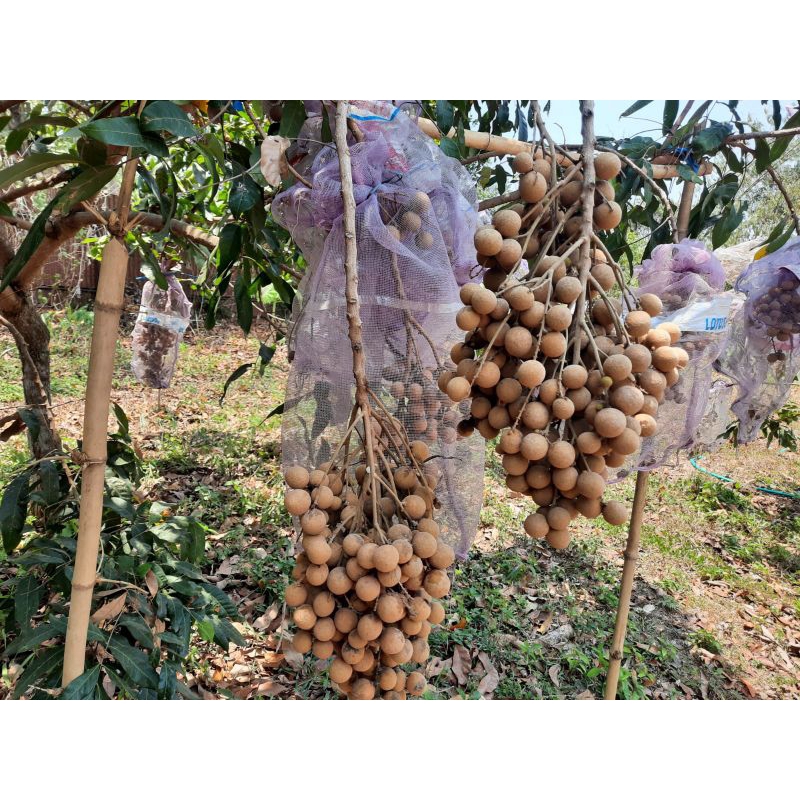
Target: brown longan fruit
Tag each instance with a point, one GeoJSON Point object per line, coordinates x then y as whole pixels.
{"type": "Point", "coordinates": [604, 190]}
{"type": "Point", "coordinates": [665, 359]}
{"type": "Point", "coordinates": [607, 215]}
{"type": "Point", "coordinates": [563, 408]}
{"type": "Point", "coordinates": [297, 477]}
{"type": "Point", "coordinates": [340, 671]}
{"type": "Point", "coordinates": [351, 655]}
{"type": "Point", "coordinates": [324, 604]}
{"type": "Point", "coordinates": [628, 399]}
{"type": "Point", "coordinates": [410, 222]}
{"type": "Point", "coordinates": [626, 443]}
{"type": "Point", "coordinates": [558, 518]}
{"type": "Point", "coordinates": [494, 278]}
{"type": "Point", "coordinates": [615, 513]}
{"type": "Point", "coordinates": [617, 367]}
{"type": "Point", "coordinates": [653, 382]}
{"type": "Point", "coordinates": [313, 522]}
{"type": "Point", "coordinates": [538, 476]}
{"type": "Point", "coordinates": [387, 679]}
{"type": "Point", "coordinates": [366, 555]}
{"type": "Point", "coordinates": [391, 578]}
{"type": "Point", "coordinates": [392, 641]}
{"type": "Point", "coordinates": [368, 588]}
{"type": "Point", "coordinates": [639, 356]}
{"type": "Point", "coordinates": [508, 390]}
{"type": "Point", "coordinates": [637, 323]}
{"type": "Point", "coordinates": [590, 485]}
{"type": "Point", "coordinates": [390, 608]}
{"type": "Point", "coordinates": [488, 375]}
{"type": "Point", "coordinates": [486, 430]}
{"type": "Point", "coordinates": [518, 342]}
{"type": "Point", "coordinates": [351, 543]}
{"type": "Point", "coordinates": [295, 595]}
{"type": "Point", "coordinates": [302, 642]}
{"type": "Point", "coordinates": [415, 682]}
{"type": "Point", "coordinates": [657, 337]}
{"type": "Point", "coordinates": [317, 574]}
{"type": "Point", "coordinates": [488, 241]}
{"type": "Point", "coordinates": [508, 222]}
{"type": "Point", "coordinates": [510, 441]}
{"type": "Point", "coordinates": [520, 298]}
{"type": "Point", "coordinates": [609, 422]}
{"type": "Point", "coordinates": [651, 303]}
{"type": "Point", "coordinates": [588, 507]}
{"type": "Point", "coordinates": [565, 479]}
{"type": "Point", "coordinates": [607, 166]}
{"type": "Point", "coordinates": [574, 376]}
{"type": "Point", "coordinates": [530, 374]}
{"type": "Point", "coordinates": [561, 454]}
{"type": "Point", "coordinates": [436, 583]}
{"type": "Point", "coordinates": [414, 506]}
{"type": "Point", "coordinates": [515, 464]}
{"type": "Point", "coordinates": [558, 317]}
{"type": "Point", "coordinates": [297, 501]}
{"type": "Point", "coordinates": [458, 389]}
{"type": "Point", "coordinates": [437, 613]}
{"type": "Point", "coordinates": [533, 316]}
{"type": "Point", "coordinates": [363, 689]}
{"type": "Point", "coordinates": [553, 345]}
{"type": "Point", "coordinates": [536, 526]}
{"type": "Point", "coordinates": [523, 162]}
{"type": "Point", "coordinates": [500, 310]}
{"type": "Point", "coordinates": [386, 558]}
{"type": "Point", "coordinates": [369, 627]}
{"type": "Point", "coordinates": [509, 255]}
{"type": "Point", "coordinates": [345, 620]}
{"type": "Point", "coordinates": [568, 289]}
{"type": "Point", "coordinates": [424, 544]}
{"type": "Point", "coordinates": [558, 539]}
{"type": "Point", "coordinates": [443, 557]}
{"type": "Point", "coordinates": [466, 291]}
{"type": "Point", "coordinates": [324, 629]}
{"type": "Point", "coordinates": [588, 442]}
{"type": "Point", "coordinates": [316, 549]}
{"type": "Point", "coordinates": [673, 330]}
{"type": "Point", "coordinates": [536, 415]}
{"type": "Point", "coordinates": [534, 446]}
{"type": "Point", "coordinates": [424, 240]}
{"type": "Point", "coordinates": [647, 424]}
{"type": "Point", "coordinates": [468, 319]}
{"type": "Point", "coordinates": [304, 617]}
{"type": "Point", "coordinates": [532, 187]}
{"type": "Point", "coordinates": [322, 497]}
{"type": "Point", "coordinates": [483, 301]}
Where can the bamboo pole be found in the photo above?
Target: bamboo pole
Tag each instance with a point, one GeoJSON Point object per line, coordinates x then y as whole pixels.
{"type": "Point", "coordinates": [505, 146]}
{"type": "Point", "coordinates": [108, 307]}
{"type": "Point", "coordinates": [105, 330]}
{"type": "Point", "coordinates": [637, 512]}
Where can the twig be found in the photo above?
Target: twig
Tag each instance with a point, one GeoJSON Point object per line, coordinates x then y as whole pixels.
{"type": "Point", "coordinates": [500, 200]}
{"type": "Point", "coordinates": [21, 191]}
{"type": "Point", "coordinates": [296, 174]}
{"type": "Point", "coordinates": [782, 189]}
{"type": "Point", "coordinates": [779, 134]}
{"type": "Point", "coordinates": [256, 124]}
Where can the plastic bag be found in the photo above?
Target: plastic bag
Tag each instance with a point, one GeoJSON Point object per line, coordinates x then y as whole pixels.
{"type": "Point", "coordinates": [163, 318]}
{"type": "Point", "coordinates": [763, 351]}
{"type": "Point", "coordinates": [415, 221]}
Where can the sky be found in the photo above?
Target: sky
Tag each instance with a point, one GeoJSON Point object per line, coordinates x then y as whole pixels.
{"type": "Point", "coordinates": [647, 121]}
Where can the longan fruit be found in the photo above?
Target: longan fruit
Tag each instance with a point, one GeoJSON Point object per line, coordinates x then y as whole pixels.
{"type": "Point", "coordinates": [297, 477]}
{"type": "Point", "coordinates": [530, 374]}
{"type": "Point", "coordinates": [302, 642]}
{"type": "Point", "coordinates": [607, 166]}
{"type": "Point", "coordinates": [392, 641]}
{"type": "Point", "coordinates": [617, 367]}
{"type": "Point", "coordinates": [558, 518]}
{"type": "Point", "coordinates": [420, 651]}
{"type": "Point", "coordinates": [639, 356]}
{"type": "Point", "coordinates": [609, 422]}
{"type": "Point", "coordinates": [324, 629]}
{"type": "Point", "coordinates": [415, 682]}
{"type": "Point", "coordinates": [437, 613]}
{"type": "Point", "coordinates": [536, 415]}
{"type": "Point", "coordinates": [626, 443]}
{"type": "Point", "coordinates": [304, 617]}
{"type": "Point", "coordinates": [534, 446]}
{"type": "Point", "coordinates": [605, 191]}
{"type": "Point", "coordinates": [558, 317]}
{"type": "Point", "coordinates": [443, 557]}
{"type": "Point", "coordinates": [574, 376]}
{"type": "Point", "coordinates": [533, 316]}
{"type": "Point", "coordinates": [363, 689]}
{"type": "Point", "coordinates": [558, 539]}
{"type": "Point", "coordinates": [424, 544]}
{"type": "Point", "coordinates": [414, 506]}
{"type": "Point", "coordinates": [532, 187]}
{"type": "Point", "coordinates": [637, 323]}
{"type": "Point", "coordinates": [386, 558]}
{"type": "Point", "coordinates": [607, 215]}
{"type": "Point", "coordinates": [483, 301]}
{"type": "Point", "coordinates": [515, 464]}
{"type": "Point", "coordinates": [458, 389]}
{"type": "Point", "coordinates": [317, 574]}
{"type": "Point", "coordinates": [436, 583]}
{"type": "Point", "coordinates": [316, 549]}
{"type": "Point", "coordinates": [561, 454]}
{"type": "Point", "coordinates": [510, 441]}
{"type": "Point", "coordinates": [345, 620]}
{"type": "Point", "coordinates": [538, 476]}
{"type": "Point", "coordinates": [391, 578]}
{"type": "Point", "coordinates": [553, 345]}
{"type": "Point", "coordinates": [366, 555]}
{"type": "Point", "coordinates": [324, 604]}
{"type": "Point", "coordinates": [295, 595]}
{"type": "Point", "coordinates": [367, 588]}
{"type": "Point", "coordinates": [628, 399]}
{"type": "Point", "coordinates": [665, 359]}
{"type": "Point", "coordinates": [486, 430]}
{"type": "Point", "coordinates": [563, 408]}
{"type": "Point", "coordinates": [404, 550]}
{"type": "Point", "coordinates": [536, 526]}
{"type": "Point", "coordinates": [369, 627]}
{"type": "Point", "coordinates": [313, 522]}
{"type": "Point", "coordinates": [508, 390]}
{"type": "Point", "coordinates": [297, 501]}
{"type": "Point", "coordinates": [488, 241]}
{"type": "Point", "coordinates": [489, 374]}
{"type": "Point", "coordinates": [520, 298]}
{"type": "Point", "coordinates": [500, 310]}
{"type": "Point", "coordinates": [523, 162]}
{"type": "Point", "coordinates": [647, 424]}
{"type": "Point", "coordinates": [653, 382]}
{"type": "Point", "coordinates": [508, 222]}
{"type": "Point", "coordinates": [509, 255]}
{"type": "Point", "coordinates": [518, 342]}
{"type": "Point", "coordinates": [590, 485]}
{"type": "Point", "coordinates": [339, 670]}
{"type": "Point", "coordinates": [589, 507]}
{"type": "Point", "coordinates": [673, 330]}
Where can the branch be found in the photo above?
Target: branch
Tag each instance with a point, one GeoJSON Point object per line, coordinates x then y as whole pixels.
{"type": "Point", "coordinates": [15, 194]}
{"type": "Point", "coordinates": [740, 137]}
{"type": "Point", "coordinates": [256, 124]}
{"type": "Point", "coordinates": [7, 105]}
{"type": "Point", "coordinates": [500, 200]}
{"type": "Point", "coordinates": [782, 189]}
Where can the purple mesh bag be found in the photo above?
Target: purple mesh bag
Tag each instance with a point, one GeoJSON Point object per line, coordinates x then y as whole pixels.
{"type": "Point", "coordinates": [688, 278]}
{"type": "Point", "coordinates": [163, 318]}
{"type": "Point", "coordinates": [763, 352]}
{"type": "Point", "coordinates": [409, 269]}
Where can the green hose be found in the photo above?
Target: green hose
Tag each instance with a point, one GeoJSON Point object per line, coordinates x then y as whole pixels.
{"type": "Point", "coordinates": [727, 479]}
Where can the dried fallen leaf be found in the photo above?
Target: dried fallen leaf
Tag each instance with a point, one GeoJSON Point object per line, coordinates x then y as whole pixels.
{"type": "Point", "coordinates": [111, 609]}
{"type": "Point", "coordinates": [461, 663]}
{"type": "Point", "coordinates": [436, 666]}
{"type": "Point", "coordinates": [749, 686]}
{"type": "Point", "coordinates": [491, 679]}
{"type": "Point", "coordinates": [273, 163]}
{"type": "Point", "coordinates": [585, 695]}
{"type": "Point", "coordinates": [553, 673]}
{"type": "Point", "coordinates": [264, 622]}
{"type": "Point", "coordinates": [152, 583]}
{"type": "Point", "coordinates": [547, 622]}
{"type": "Point", "coordinates": [271, 659]}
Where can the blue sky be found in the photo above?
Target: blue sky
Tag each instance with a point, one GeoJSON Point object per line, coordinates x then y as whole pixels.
{"type": "Point", "coordinates": [647, 121]}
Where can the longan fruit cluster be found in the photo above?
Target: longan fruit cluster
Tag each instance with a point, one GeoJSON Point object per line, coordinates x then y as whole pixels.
{"type": "Point", "coordinates": [563, 421]}
{"type": "Point", "coordinates": [776, 312]}
{"type": "Point", "coordinates": [367, 589]}
{"type": "Point", "coordinates": [406, 216]}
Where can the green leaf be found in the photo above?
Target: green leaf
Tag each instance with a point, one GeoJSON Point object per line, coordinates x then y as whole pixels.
{"type": "Point", "coordinates": [775, 242]}
{"type": "Point", "coordinates": [134, 662]}
{"type": "Point", "coordinates": [205, 627]}
{"type": "Point", "coordinates": [14, 510]}
{"type": "Point", "coordinates": [42, 666]}
{"type": "Point", "coordinates": [230, 246]}
{"type": "Point", "coordinates": [31, 422]}
{"type": "Point", "coordinates": [709, 140]}
{"type": "Point", "coordinates": [688, 174]}
{"type": "Point", "coordinates": [86, 185]}
{"type": "Point", "coordinates": [155, 145]}
{"type": "Point", "coordinates": [284, 290]}
{"type": "Point", "coordinates": [732, 160]}
{"type": "Point", "coordinates": [82, 687]}
{"type": "Point", "coordinates": [726, 225]}
{"type": "Point", "coordinates": [244, 304]}
{"type": "Point", "coordinates": [32, 165]}
{"type": "Point", "coordinates": [218, 596]}
{"type": "Point", "coordinates": [154, 274]}
{"type": "Point", "coordinates": [292, 118]}
{"type": "Point", "coordinates": [122, 419]}
{"type": "Point", "coordinates": [164, 115]}
{"type": "Point", "coordinates": [29, 244]}
{"type": "Point", "coordinates": [265, 354]}
{"type": "Point", "coordinates": [27, 595]}
{"type": "Point", "coordinates": [637, 106]}
{"type": "Point", "coordinates": [779, 146]}
{"type": "Point", "coordinates": [279, 409]}
{"type": "Point", "coordinates": [50, 482]}
{"type": "Point", "coordinates": [244, 194]}
{"type": "Point", "coordinates": [449, 147]}
{"type": "Point", "coordinates": [139, 629]}
{"type": "Point", "coordinates": [33, 637]}
{"type": "Point", "coordinates": [120, 506]}
{"type": "Point", "coordinates": [234, 376]}
{"type": "Point", "coordinates": [120, 131]}
{"type": "Point", "coordinates": [670, 112]}
{"type": "Point", "coordinates": [444, 115]}
{"type": "Point", "coordinates": [762, 155]}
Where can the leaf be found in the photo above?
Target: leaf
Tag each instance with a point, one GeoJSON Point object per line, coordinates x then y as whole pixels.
{"type": "Point", "coordinates": [444, 115]}
{"type": "Point", "coordinates": [292, 118]}
{"type": "Point", "coordinates": [732, 160]}
{"type": "Point", "coordinates": [709, 140]}
{"type": "Point", "coordinates": [500, 175]}
{"type": "Point", "coordinates": [637, 106]}
{"type": "Point", "coordinates": [29, 244]}
{"type": "Point", "coordinates": [120, 131]}
{"type": "Point", "coordinates": [522, 125]}
{"type": "Point", "coordinates": [86, 185]}
{"type": "Point", "coordinates": [164, 115]}
{"type": "Point", "coordinates": [14, 510]}
{"type": "Point", "coordinates": [120, 506]}
{"type": "Point", "coordinates": [82, 687]}
{"type": "Point", "coordinates": [279, 409]}
{"type": "Point", "coordinates": [272, 163]}
{"type": "Point", "coordinates": [230, 246]}
{"type": "Point", "coordinates": [265, 355]}
{"type": "Point", "coordinates": [139, 629]}
{"type": "Point", "coordinates": [205, 628]}
{"type": "Point", "coordinates": [762, 155]}
{"type": "Point", "coordinates": [449, 148]}
{"type": "Point", "coordinates": [31, 422]}
{"type": "Point", "coordinates": [244, 303]}
{"type": "Point", "coordinates": [284, 290]}
{"type": "Point", "coordinates": [111, 609]}
{"type": "Point", "coordinates": [553, 674]}
{"type": "Point", "coordinates": [152, 583]}
{"type": "Point", "coordinates": [670, 112]}
{"type": "Point", "coordinates": [234, 376]}
{"type": "Point", "coordinates": [49, 482]}
{"type": "Point", "coordinates": [122, 419]}
{"type": "Point", "coordinates": [726, 225]}
{"type": "Point", "coordinates": [779, 146]}
{"type": "Point", "coordinates": [134, 662]}
{"type": "Point", "coordinates": [27, 595]}
{"type": "Point", "coordinates": [32, 165]}
{"type": "Point", "coordinates": [42, 666]}
{"type": "Point", "coordinates": [490, 681]}
{"type": "Point", "coordinates": [462, 663]}
{"type": "Point", "coordinates": [244, 194]}
{"type": "Point", "coordinates": [780, 241]}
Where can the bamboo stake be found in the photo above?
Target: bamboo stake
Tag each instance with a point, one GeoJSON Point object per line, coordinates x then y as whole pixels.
{"type": "Point", "coordinates": [108, 307]}
{"type": "Point", "coordinates": [637, 512]}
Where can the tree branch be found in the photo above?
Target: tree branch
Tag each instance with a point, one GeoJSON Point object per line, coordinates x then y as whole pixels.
{"type": "Point", "coordinates": [15, 194]}
{"type": "Point", "coordinates": [780, 134]}
{"type": "Point", "coordinates": [782, 189]}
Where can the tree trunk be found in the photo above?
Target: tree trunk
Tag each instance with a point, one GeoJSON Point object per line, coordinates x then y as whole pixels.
{"type": "Point", "coordinates": [35, 339]}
